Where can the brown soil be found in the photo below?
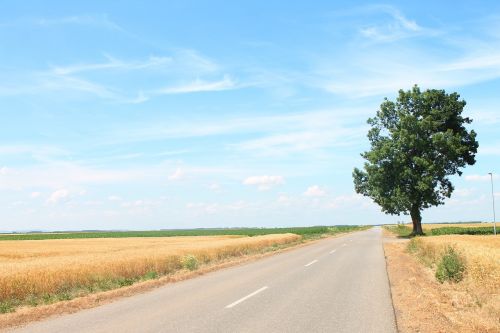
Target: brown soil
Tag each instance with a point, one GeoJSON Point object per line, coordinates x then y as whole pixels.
{"type": "Point", "coordinates": [424, 305]}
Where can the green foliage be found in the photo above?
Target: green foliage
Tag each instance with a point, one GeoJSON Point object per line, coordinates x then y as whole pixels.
{"type": "Point", "coordinates": [190, 262]}
{"type": "Point", "coordinates": [151, 275]}
{"type": "Point", "coordinates": [64, 296]}
{"type": "Point", "coordinates": [303, 231]}
{"type": "Point", "coordinates": [6, 307]}
{"type": "Point", "coordinates": [400, 230]}
{"type": "Point", "coordinates": [123, 282]}
{"type": "Point", "coordinates": [413, 245]}
{"type": "Point", "coordinates": [451, 267]}
{"type": "Point", "coordinates": [416, 142]}
{"type": "Point", "coordinates": [462, 231]}
{"type": "Point", "coordinates": [405, 231]}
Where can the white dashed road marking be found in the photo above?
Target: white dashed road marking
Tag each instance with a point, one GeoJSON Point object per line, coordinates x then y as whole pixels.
{"type": "Point", "coordinates": [246, 297]}
{"type": "Point", "coordinates": [312, 262]}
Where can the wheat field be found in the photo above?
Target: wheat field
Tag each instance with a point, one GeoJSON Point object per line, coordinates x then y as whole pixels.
{"type": "Point", "coordinates": [482, 255]}
{"type": "Point", "coordinates": [476, 299]}
{"type": "Point", "coordinates": [34, 269]}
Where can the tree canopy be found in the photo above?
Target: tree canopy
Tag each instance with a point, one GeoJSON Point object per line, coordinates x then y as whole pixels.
{"type": "Point", "coordinates": [416, 142]}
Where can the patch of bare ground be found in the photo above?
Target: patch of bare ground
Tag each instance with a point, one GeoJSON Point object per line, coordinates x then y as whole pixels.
{"type": "Point", "coordinates": [422, 304]}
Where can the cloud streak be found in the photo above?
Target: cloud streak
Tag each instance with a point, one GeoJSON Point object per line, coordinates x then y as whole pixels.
{"type": "Point", "coordinates": [199, 86]}
{"type": "Point", "coordinates": [113, 64]}
{"type": "Point", "coordinates": [90, 21]}
{"type": "Point", "coordinates": [187, 71]}
{"type": "Point", "coordinates": [264, 183]}
{"type": "Point", "coordinates": [315, 191]}
{"type": "Point", "coordinates": [481, 178]}
{"type": "Point", "coordinates": [397, 28]}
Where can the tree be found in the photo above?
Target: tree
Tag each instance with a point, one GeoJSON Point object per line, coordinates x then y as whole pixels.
{"type": "Point", "coordinates": [416, 142]}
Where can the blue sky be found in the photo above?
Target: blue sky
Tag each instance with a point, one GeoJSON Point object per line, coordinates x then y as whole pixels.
{"type": "Point", "coordinates": [180, 114]}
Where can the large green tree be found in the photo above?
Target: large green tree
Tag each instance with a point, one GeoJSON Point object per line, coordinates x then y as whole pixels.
{"type": "Point", "coordinates": [416, 142]}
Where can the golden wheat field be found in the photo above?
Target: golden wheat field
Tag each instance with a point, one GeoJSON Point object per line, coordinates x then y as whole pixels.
{"type": "Point", "coordinates": [482, 255]}
{"type": "Point", "coordinates": [476, 299]}
{"type": "Point", "coordinates": [42, 267]}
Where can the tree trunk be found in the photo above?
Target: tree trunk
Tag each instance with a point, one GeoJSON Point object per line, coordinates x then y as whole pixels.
{"type": "Point", "coordinates": [416, 219]}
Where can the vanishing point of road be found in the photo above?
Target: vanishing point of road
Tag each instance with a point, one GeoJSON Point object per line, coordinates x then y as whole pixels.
{"type": "Point", "coordinates": [332, 285]}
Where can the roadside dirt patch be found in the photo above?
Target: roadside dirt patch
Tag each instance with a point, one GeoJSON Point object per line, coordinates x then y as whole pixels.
{"type": "Point", "coordinates": [424, 305]}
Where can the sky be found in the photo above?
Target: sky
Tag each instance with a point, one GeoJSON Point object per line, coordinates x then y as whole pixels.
{"type": "Point", "coordinates": [191, 114]}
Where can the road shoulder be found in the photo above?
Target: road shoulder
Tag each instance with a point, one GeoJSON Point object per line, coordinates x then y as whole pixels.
{"type": "Point", "coordinates": [424, 305]}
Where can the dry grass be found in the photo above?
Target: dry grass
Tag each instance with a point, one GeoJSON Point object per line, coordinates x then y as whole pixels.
{"type": "Point", "coordinates": [30, 270]}
{"type": "Point", "coordinates": [473, 304]}
{"type": "Point", "coordinates": [481, 253]}
{"type": "Point", "coordinates": [424, 305]}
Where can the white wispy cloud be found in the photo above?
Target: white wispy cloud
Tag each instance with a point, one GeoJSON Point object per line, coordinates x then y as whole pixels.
{"type": "Point", "coordinates": [265, 182]}
{"type": "Point", "coordinates": [399, 26]}
{"type": "Point", "coordinates": [381, 74]}
{"type": "Point", "coordinates": [113, 63]}
{"type": "Point", "coordinates": [284, 200]}
{"type": "Point", "coordinates": [315, 191]}
{"type": "Point", "coordinates": [300, 141]}
{"type": "Point", "coordinates": [215, 187]}
{"type": "Point", "coordinates": [192, 61]}
{"type": "Point", "coordinates": [479, 61]}
{"type": "Point", "coordinates": [464, 192]}
{"type": "Point", "coordinates": [211, 208]}
{"type": "Point", "coordinates": [207, 208]}
{"type": "Point", "coordinates": [184, 70]}
{"type": "Point", "coordinates": [87, 20]}
{"type": "Point", "coordinates": [96, 20]}
{"type": "Point", "coordinates": [58, 83]}
{"type": "Point", "coordinates": [376, 67]}
{"type": "Point", "coordinates": [351, 200]}
{"type": "Point", "coordinates": [279, 130]}
{"type": "Point", "coordinates": [114, 198]}
{"type": "Point", "coordinates": [493, 150]}
{"type": "Point", "coordinates": [57, 175]}
{"type": "Point", "coordinates": [35, 150]}
{"type": "Point", "coordinates": [178, 174]}
{"type": "Point", "coordinates": [199, 85]}
{"type": "Point", "coordinates": [58, 195]}
{"type": "Point", "coordinates": [481, 178]}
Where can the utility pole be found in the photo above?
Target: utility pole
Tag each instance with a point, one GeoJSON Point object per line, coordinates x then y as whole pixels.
{"type": "Point", "coordinates": [493, 200]}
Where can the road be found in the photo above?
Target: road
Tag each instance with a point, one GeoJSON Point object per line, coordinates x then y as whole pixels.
{"type": "Point", "coordinates": [333, 285]}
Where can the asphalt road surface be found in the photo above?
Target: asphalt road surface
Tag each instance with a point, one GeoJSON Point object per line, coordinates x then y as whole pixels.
{"type": "Point", "coordinates": [334, 285]}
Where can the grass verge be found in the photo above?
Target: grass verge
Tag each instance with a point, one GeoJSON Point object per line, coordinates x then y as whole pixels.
{"type": "Point", "coordinates": [423, 304]}
{"type": "Point", "coordinates": [401, 230]}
